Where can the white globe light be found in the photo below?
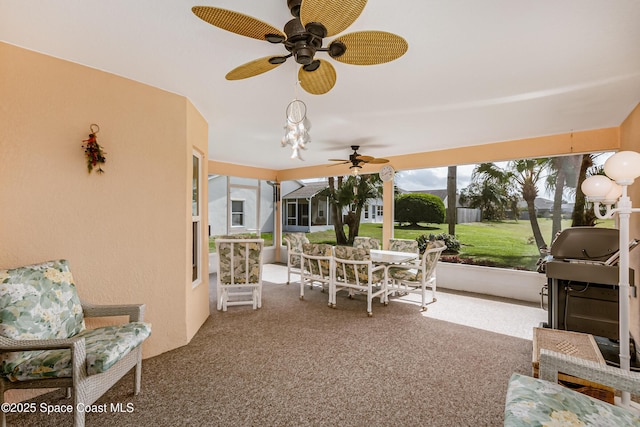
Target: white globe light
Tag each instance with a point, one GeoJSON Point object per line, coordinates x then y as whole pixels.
{"type": "Point", "coordinates": [596, 187]}
{"type": "Point", "coordinates": [623, 167]}
{"type": "Point", "coordinates": [613, 195]}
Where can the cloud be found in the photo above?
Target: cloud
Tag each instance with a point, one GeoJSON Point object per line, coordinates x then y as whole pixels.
{"type": "Point", "coordinates": [432, 179]}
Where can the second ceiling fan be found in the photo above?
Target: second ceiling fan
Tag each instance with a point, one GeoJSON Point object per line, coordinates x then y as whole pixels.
{"type": "Point", "coordinates": [357, 160]}
{"type": "Point", "coordinates": [303, 37]}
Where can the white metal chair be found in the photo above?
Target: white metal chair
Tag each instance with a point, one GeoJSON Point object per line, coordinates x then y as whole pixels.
{"type": "Point", "coordinates": [415, 278]}
{"type": "Point", "coordinates": [239, 272]}
{"type": "Point", "coordinates": [366, 242]}
{"type": "Point", "coordinates": [317, 266]}
{"type": "Point", "coordinates": [355, 272]}
{"type": "Point", "coordinates": [294, 242]}
{"type": "Point", "coordinates": [403, 245]}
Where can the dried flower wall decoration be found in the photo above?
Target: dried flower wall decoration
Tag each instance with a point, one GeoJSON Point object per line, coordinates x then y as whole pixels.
{"type": "Point", "coordinates": [94, 152]}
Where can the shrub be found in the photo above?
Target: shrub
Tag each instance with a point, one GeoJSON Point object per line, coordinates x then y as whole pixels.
{"type": "Point", "coordinates": [419, 207]}
{"type": "Point", "coordinates": [453, 244]}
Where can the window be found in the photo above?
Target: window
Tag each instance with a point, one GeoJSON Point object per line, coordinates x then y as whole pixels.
{"type": "Point", "coordinates": [379, 210]}
{"type": "Point", "coordinates": [366, 212]}
{"type": "Point", "coordinates": [291, 213]}
{"type": "Point", "coordinates": [196, 220]}
{"type": "Point", "coordinates": [237, 213]}
{"type": "Point", "coordinates": [321, 208]}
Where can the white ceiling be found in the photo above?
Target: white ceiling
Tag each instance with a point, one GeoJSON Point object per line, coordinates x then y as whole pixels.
{"type": "Point", "coordinates": [475, 72]}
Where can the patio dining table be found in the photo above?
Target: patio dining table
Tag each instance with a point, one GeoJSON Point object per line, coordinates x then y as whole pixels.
{"type": "Point", "coordinates": [379, 256]}
{"type": "Point", "coordinates": [389, 258]}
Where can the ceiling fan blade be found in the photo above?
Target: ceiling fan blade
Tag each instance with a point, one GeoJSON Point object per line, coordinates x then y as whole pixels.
{"type": "Point", "coordinates": [250, 69]}
{"type": "Point", "coordinates": [341, 163]}
{"type": "Point", "coordinates": [371, 47]}
{"type": "Point", "coordinates": [378, 161]}
{"type": "Point", "coordinates": [239, 23]}
{"type": "Point", "coordinates": [318, 81]}
{"type": "Point", "coordinates": [366, 159]}
{"type": "Point", "coordinates": [339, 160]}
{"type": "Point", "coordinates": [335, 15]}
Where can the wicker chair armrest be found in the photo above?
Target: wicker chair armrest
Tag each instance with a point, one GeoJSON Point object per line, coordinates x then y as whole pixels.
{"type": "Point", "coordinates": [10, 345]}
{"type": "Point", "coordinates": [134, 311]}
{"type": "Point", "coordinates": [551, 363]}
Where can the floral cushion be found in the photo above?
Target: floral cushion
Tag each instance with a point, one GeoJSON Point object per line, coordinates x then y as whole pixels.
{"type": "Point", "coordinates": [366, 243]}
{"type": "Point", "coordinates": [351, 270]}
{"type": "Point", "coordinates": [428, 261]}
{"type": "Point", "coordinates": [318, 267]}
{"type": "Point", "coordinates": [104, 347]}
{"type": "Point", "coordinates": [534, 402]}
{"type": "Point", "coordinates": [294, 242]}
{"type": "Point", "coordinates": [39, 302]}
{"type": "Point", "coordinates": [403, 245]}
{"type": "Point", "coordinates": [232, 256]}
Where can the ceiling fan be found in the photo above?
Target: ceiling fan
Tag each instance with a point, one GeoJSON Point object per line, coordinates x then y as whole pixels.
{"type": "Point", "coordinates": [303, 37]}
{"type": "Point", "coordinates": [357, 160]}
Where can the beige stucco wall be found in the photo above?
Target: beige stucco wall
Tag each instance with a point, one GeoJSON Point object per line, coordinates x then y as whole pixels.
{"type": "Point", "coordinates": [630, 140]}
{"type": "Point", "coordinates": [127, 232]}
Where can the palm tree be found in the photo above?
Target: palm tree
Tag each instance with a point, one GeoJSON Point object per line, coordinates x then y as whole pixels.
{"type": "Point", "coordinates": [352, 193]}
{"type": "Point", "coordinates": [451, 198]}
{"type": "Point", "coordinates": [526, 173]}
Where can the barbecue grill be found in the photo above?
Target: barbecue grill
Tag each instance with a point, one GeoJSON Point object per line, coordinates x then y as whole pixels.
{"type": "Point", "coordinates": [582, 280]}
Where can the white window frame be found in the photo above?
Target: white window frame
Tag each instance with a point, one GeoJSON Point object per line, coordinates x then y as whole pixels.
{"type": "Point", "coordinates": [379, 211]}
{"type": "Point", "coordinates": [196, 219]}
{"type": "Point", "coordinates": [243, 213]}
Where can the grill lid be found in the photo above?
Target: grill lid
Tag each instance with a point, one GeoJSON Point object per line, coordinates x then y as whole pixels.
{"type": "Point", "coordinates": [589, 243]}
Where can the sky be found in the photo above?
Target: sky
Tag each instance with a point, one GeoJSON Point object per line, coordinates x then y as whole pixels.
{"type": "Point", "coordinates": [436, 178]}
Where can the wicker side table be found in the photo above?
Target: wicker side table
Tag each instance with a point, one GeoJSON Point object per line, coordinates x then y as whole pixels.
{"type": "Point", "coordinates": [575, 344]}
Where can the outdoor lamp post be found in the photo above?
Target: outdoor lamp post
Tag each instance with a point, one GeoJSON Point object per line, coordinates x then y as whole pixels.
{"type": "Point", "coordinates": [621, 169]}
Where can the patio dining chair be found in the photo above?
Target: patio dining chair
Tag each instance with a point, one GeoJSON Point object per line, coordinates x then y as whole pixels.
{"type": "Point", "coordinates": [366, 242]}
{"type": "Point", "coordinates": [403, 245]}
{"type": "Point", "coordinates": [294, 242]}
{"type": "Point", "coordinates": [239, 279]}
{"type": "Point", "coordinates": [415, 278]}
{"type": "Point", "coordinates": [356, 273]}
{"type": "Point", "coordinates": [317, 266]}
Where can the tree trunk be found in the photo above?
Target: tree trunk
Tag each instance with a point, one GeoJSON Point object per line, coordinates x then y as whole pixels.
{"type": "Point", "coordinates": [452, 216]}
{"type": "Point", "coordinates": [338, 225]}
{"type": "Point", "coordinates": [556, 225]}
{"type": "Point", "coordinates": [580, 217]}
{"type": "Point", "coordinates": [535, 227]}
{"type": "Point", "coordinates": [529, 193]}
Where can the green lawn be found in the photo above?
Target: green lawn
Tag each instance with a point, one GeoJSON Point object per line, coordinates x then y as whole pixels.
{"type": "Point", "coordinates": [507, 244]}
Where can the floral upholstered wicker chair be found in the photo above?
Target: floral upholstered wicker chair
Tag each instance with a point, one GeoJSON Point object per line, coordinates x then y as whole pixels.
{"type": "Point", "coordinates": [294, 242]}
{"type": "Point", "coordinates": [366, 242]}
{"type": "Point", "coordinates": [543, 402]}
{"type": "Point", "coordinates": [239, 280]}
{"type": "Point", "coordinates": [355, 272]}
{"type": "Point", "coordinates": [317, 266]}
{"type": "Point", "coordinates": [44, 343]}
{"type": "Point", "coordinates": [415, 278]}
{"type": "Point", "coordinates": [403, 245]}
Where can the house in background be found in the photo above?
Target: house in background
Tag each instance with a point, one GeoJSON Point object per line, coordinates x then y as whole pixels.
{"type": "Point", "coordinates": [306, 210]}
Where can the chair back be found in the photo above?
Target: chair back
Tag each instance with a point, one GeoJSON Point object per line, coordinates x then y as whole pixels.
{"type": "Point", "coordinates": [239, 260]}
{"type": "Point", "coordinates": [319, 260]}
{"type": "Point", "coordinates": [403, 245]}
{"type": "Point", "coordinates": [366, 243]}
{"type": "Point", "coordinates": [294, 242]}
{"type": "Point", "coordinates": [352, 264]}
{"type": "Point", "coordinates": [40, 302]}
{"type": "Point", "coordinates": [430, 257]}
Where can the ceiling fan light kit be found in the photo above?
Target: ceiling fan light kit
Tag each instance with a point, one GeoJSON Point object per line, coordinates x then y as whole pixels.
{"type": "Point", "coordinates": [303, 38]}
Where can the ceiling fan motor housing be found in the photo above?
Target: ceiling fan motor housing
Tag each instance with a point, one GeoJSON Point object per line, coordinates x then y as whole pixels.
{"type": "Point", "coordinates": [302, 44]}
